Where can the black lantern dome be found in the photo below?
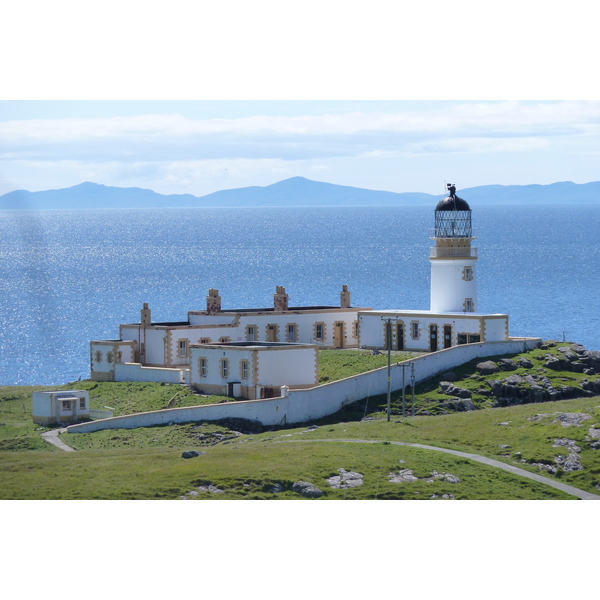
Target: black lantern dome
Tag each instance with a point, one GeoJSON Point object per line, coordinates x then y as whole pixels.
{"type": "Point", "coordinates": [453, 217]}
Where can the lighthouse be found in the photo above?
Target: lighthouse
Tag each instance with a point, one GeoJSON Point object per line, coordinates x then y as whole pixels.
{"type": "Point", "coordinates": [453, 258]}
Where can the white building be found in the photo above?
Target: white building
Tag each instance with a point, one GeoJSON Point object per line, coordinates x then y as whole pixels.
{"type": "Point", "coordinates": [252, 370]}
{"type": "Point", "coordinates": [50, 408]}
{"type": "Point", "coordinates": [148, 351]}
{"type": "Point", "coordinates": [453, 317]}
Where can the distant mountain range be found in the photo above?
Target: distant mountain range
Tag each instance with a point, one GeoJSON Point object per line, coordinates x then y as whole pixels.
{"type": "Point", "coordinates": [296, 191]}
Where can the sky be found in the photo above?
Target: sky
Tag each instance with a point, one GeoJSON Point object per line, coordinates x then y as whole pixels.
{"type": "Point", "coordinates": [398, 98]}
{"type": "Point", "coordinates": [199, 147]}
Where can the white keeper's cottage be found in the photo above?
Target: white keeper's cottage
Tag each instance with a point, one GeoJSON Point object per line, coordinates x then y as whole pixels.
{"type": "Point", "coordinates": [453, 317]}
{"type": "Point", "coordinates": [149, 351]}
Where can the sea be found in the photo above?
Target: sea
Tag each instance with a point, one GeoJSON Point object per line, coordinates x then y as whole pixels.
{"type": "Point", "coordinates": [71, 276]}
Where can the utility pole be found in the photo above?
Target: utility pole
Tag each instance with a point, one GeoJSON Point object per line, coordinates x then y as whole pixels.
{"type": "Point", "coordinates": [388, 330]}
{"type": "Point", "coordinates": [403, 365]}
{"type": "Point", "coordinates": [412, 385]}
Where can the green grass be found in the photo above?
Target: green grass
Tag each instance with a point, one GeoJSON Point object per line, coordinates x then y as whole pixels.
{"type": "Point", "coordinates": [146, 463]}
{"type": "Point", "coordinates": [248, 470]}
{"type": "Point", "coordinates": [339, 364]}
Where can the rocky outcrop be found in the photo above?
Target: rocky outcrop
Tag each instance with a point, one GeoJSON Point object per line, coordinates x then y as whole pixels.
{"type": "Point", "coordinates": [345, 479]}
{"type": "Point", "coordinates": [451, 390]}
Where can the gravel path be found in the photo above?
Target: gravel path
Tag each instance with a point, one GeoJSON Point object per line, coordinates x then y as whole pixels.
{"type": "Point", "coordinates": [569, 489]}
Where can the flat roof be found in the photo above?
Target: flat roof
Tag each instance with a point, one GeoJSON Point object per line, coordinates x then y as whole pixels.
{"type": "Point", "coordinates": [254, 344]}
{"type": "Point", "coordinates": [429, 313]}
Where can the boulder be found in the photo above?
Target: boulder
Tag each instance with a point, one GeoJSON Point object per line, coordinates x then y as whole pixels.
{"type": "Point", "coordinates": [507, 364]}
{"type": "Point", "coordinates": [191, 454]}
{"type": "Point", "coordinates": [525, 363]}
{"type": "Point", "coordinates": [306, 489]}
{"type": "Point", "coordinates": [487, 368]}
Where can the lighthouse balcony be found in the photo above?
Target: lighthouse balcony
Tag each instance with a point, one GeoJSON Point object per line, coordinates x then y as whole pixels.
{"type": "Point", "coordinates": [453, 252]}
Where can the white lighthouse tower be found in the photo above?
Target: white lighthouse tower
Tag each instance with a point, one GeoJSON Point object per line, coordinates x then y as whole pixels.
{"type": "Point", "coordinates": [453, 259]}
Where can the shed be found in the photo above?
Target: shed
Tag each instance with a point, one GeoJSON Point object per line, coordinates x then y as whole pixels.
{"type": "Point", "coordinates": [64, 406]}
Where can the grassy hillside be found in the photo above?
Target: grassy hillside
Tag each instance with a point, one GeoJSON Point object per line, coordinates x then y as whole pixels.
{"type": "Point", "coordinates": [556, 439]}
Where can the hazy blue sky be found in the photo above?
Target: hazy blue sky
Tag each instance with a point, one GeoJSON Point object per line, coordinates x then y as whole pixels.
{"type": "Point", "coordinates": [449, 92]}
{"type": "Point", "coordinates": [199, 147]}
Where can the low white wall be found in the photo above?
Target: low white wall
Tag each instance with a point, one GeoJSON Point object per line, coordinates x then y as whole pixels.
{"type": "Point", "coordinates": [135, 372]}
{"type": "Point", "coordinates": [306, 405]}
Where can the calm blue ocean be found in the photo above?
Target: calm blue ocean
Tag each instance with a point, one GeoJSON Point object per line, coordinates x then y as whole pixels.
{"type": "Point", "coordinates": [67, 277]}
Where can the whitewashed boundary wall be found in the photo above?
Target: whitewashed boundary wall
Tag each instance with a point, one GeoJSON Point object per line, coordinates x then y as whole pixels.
{"type": "Point", "coordinates": [136, 372]}
{"type": "Point", "coordinates": [301, 406]}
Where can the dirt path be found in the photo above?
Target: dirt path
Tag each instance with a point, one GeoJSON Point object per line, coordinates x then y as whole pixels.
{"type": "Point", "coordinates": [569, 489]}
{"type": "Point", "coordinates": [52, 438]}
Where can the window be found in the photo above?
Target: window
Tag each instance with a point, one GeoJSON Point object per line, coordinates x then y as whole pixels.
{"type": "Point", "coordinates": [251, 333]}
{"type": "Point", "coordinates": [205, 340]}
{"type": "Point", "coordinates": [414, 330]}
{"type": "Point", "coordinates": [224, 368]}
{"type": "Point", "coordinates": [355, 329]}
{"type": "Point", "coordinates": [469, 306]}
{"type": "Point", "coordinates": [245, 369]}
{"type": "Point", "coordinates": [183, 348]}
{"type": "Point", "coordinates": [224, 340]}
{"type": "Point", "coordinates": [468, 274]}
{"type": "Point", "coordinates": [66, 405]}
{"type": "Point", "coordinates": [203, 367]}
{"type": "Point", "coordinates": [291, 333]}
{"type": "Point", "coordinates": [98, 356]}
{"type": "Point", "coordinates": [319, 331]}
{"type": "Point", "coordinates": [109, 357]}
{"type": "Point", "coordinates": [82, 403]}
{"type": "Point", "coordinates": [119, 356]}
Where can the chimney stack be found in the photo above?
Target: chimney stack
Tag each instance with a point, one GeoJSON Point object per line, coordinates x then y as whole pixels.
{"type": "Point", "coordinates": [344, 297]}
{"type": "Point", "coordinates": [213, 302]}
{"type": "Point", "coordinates": [145, 316]}
{"type": "Point", "coordinates": [280, 299]}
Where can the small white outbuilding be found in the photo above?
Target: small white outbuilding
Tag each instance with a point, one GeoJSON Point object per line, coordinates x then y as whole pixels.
{"type": "Point", "coordinates": [253, 370]}
{"type": "Point", "coordinates": [65, 406]}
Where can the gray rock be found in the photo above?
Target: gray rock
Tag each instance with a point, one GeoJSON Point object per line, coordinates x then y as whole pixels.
{"type": "Point", "coordinates": [213, 489]}
{"type": "Point", "coordinates": [445, 476]}
{"type": "Point", "coordinates": [594, 433]}
{"type": "Point", "coordinates": [525, 363]}
{"type": "Point", "coordinates": [556, 364]}
{"type": "Point", "coordinates": [448, 388]}
{"type": "Point", "coordinates": [514, 379]}
{"type": "Point", "coordinates": [306, 489]}
{"type": "Point", "coordinates": [570, 444]}
{"type": "Point", "coordinates": [507, 364]}
{"type": "Point", "coordinates": [487, 367]}
{"type": "Point", "coordinates": [276, 489]}
{"type": "Point", "coordinates": [403, 476]}
{"type": "Point", "coordinates": [571, 419]}
{"type": "Point", "coordinates": [345, 479]}
{"type": "Point", "coordinates": [569, 463]}
{"type": "Point", "coordinates": [191, 454]}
